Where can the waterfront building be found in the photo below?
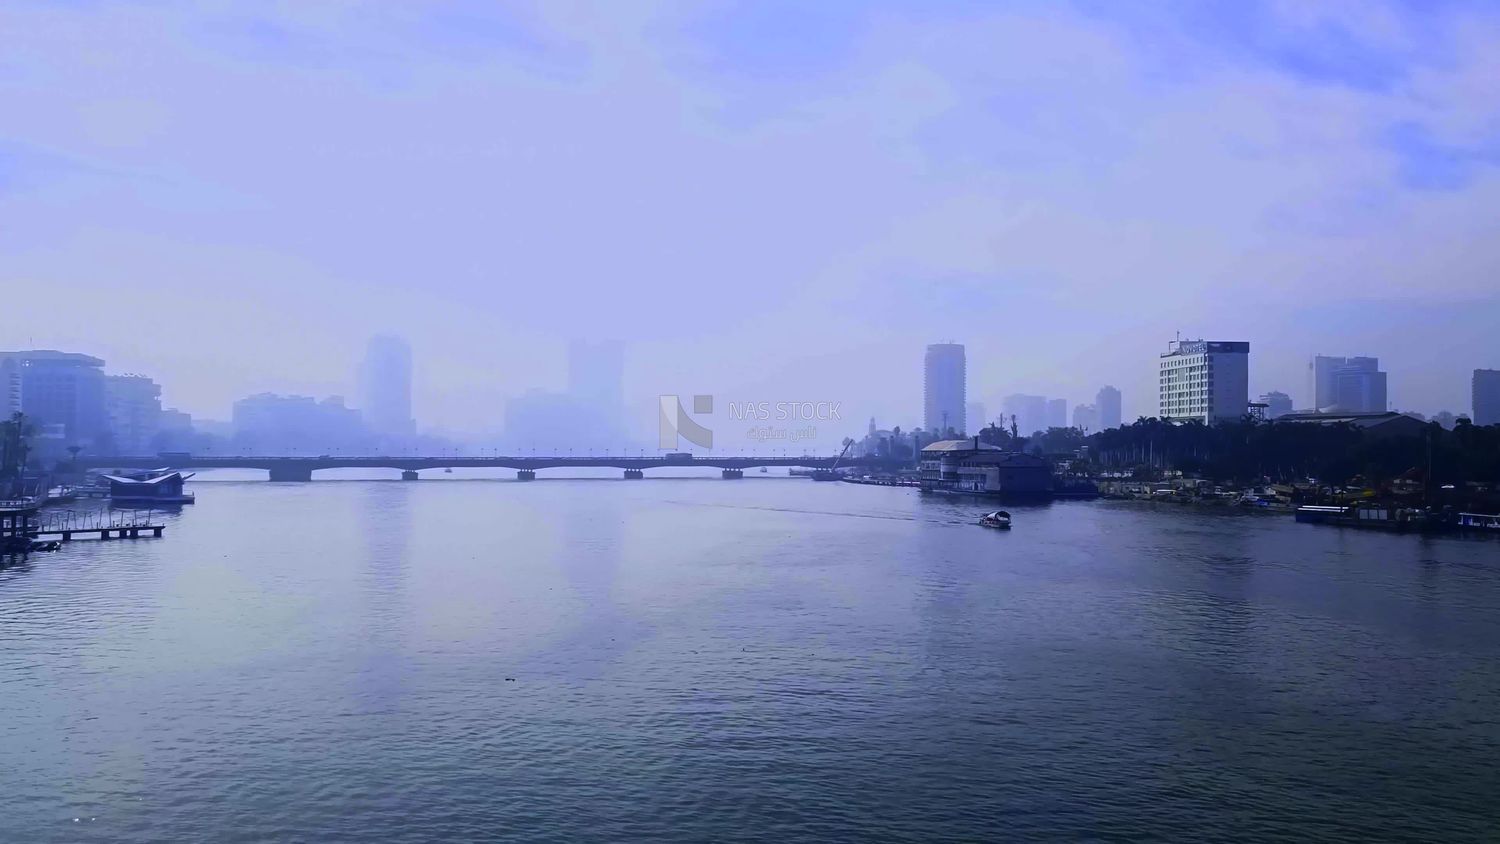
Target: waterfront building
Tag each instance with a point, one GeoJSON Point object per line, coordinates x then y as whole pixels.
{"type": "Point", "coordinates": [1486, 397]}
{"type": "Point", "coordinates": [1204, 380]}
{"type": "Point", "coordinates": [1277, 404]}
{"type": "Point", "coordinates": [1057, 413]}
{"type": "Point", "coordinates": [1351, 385]}
{"type": "Point", "coordinates": [944, 388]}
{"type": "Point", "coordinates": [164, 488]}
{"type": "Point", "coordinates": [133, 403]}
{"type": "Point", "coordinates": [63, 394]}
{"type": "Point", "coordinates": [1086, 418]}
{"type": "Point", "coordinates": [973, 467]}
{"type": "Point", "coordinates": [1108, 403]}
{"type": "Point", "coordinates": [271, 423]}
{"type": "Point", "coordinates": [385, 377]}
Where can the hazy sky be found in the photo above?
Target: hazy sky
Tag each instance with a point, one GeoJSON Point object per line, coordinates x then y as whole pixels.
{"type": "Point", "coordinates": [765, 200]}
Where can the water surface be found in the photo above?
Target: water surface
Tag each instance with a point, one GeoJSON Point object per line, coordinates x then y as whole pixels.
{"type": "Point", "coordinates": [768, 659]}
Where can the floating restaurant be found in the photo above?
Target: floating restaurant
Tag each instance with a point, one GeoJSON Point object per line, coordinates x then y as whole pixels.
{"type": "Point", "coordinates": [970, 467]}
{"type": "Point", "coordinates": [164, 488]}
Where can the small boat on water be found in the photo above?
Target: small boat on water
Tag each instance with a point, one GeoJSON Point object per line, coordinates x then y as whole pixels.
{"type": "Point", "coordinates": [999, 519]}
{"type": "Point", "coordinates": [61, 494]}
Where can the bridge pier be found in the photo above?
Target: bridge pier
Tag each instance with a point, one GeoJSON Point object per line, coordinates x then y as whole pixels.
{"type": "Point", "coordinates": [291, 473]}
{"type": "Point", "coordinates": [634, 474]}
{"type": "Point", "coordinates": [731, 474]}
{"type": "Point", "coordinates": [409, 475]}
{"type": "Point", "coordinates": [525, 474]}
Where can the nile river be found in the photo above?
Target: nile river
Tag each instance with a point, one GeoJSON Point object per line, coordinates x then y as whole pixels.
{"type": "Point", "coordinates": [767, 659]}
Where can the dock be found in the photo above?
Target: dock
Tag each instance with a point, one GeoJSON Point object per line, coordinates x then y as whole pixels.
{"type": "Point", "coordinates": [70, 526]}
{"type": "Point", "coordinates": [881, 481]}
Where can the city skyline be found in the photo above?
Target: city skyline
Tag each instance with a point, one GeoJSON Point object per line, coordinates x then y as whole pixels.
{"type": "Point", "coordinates": [589, 412]}
{"type": "Point", "coordinates": [272, 260]}
{"type": "Point", "coordinates": [789, 420]}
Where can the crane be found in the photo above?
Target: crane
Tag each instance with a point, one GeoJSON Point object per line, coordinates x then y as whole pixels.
{"type": "Point", "coordinates": [832, 473]}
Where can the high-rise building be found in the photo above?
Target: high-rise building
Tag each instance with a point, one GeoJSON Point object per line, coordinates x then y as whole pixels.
{"type": "Point", "coordinates": [1486, 398]}
{"type": "Point", "coordinates": [1277, 404]}
{"type": "Point", "coordinates": [1057, 413]}
{"type": "Point", "coordinates": [1028, 412]}
{"type": "Point", "coordinates": [1108, 403]}
{"type": "Point", "coordinates": [976, 417]}
{"type": "Point", "coordinates": [63, 393]}
{"type": "Point", "coordinates": [385, 387]}
{"type": "Point", "coordinates": [1206, 380]}
{"type": "Point", "coordinates": [1353, 384]}
{"type": "Point", "coordinates": [1360, 390]}
{"type": "Point", "coordinates": [944, 382]}
{"type": "Point", "coordinates": [10, 387]}
{"type": "Point", "coordinates": [1320, 387]}
{"type": "Point", "coordinates": [134, 406]}
{"type": "Point", "coordinates": [1086, 418]}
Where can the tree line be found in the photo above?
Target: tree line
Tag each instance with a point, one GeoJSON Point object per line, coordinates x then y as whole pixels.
{"type": "Point", "coordinates": [1252, 449]}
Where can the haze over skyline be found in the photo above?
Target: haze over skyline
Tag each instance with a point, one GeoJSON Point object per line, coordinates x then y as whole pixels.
{"type": "Point", "coordinates": [764, 201]}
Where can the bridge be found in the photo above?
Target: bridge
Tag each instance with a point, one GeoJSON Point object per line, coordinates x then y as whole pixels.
{"type": "Point", "coordinates": [301, 468]}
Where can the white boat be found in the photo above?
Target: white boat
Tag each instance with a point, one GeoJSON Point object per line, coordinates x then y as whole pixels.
{"type": "Point", "coordinates": [999, 519]}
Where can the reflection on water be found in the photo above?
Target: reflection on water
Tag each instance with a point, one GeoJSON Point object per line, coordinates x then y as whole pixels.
{"type": "Point", "coordinates": [763, 659]}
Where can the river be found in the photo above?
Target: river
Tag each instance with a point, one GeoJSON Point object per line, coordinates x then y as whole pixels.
{"type": "Point", "coordinates": [766, 659]}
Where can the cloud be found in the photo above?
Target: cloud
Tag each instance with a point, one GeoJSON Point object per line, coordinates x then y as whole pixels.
{"type": "Point", "coordinates": [699, 179]}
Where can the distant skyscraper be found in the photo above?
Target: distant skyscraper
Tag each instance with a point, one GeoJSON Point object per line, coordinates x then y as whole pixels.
{"type": "Point", "coordinates": [1277, 404]}
{"type": "Point", "coordinates": [1030, 413]}
{"type": "Point", "coordinates": [976, 417]}
{"type": "Point", "coordinates": [1108, 403]}
{"type": "Point", "coordinates": [944, 388]}
{"type": "Point", "coordinates": [385, 387]}
{"type": "Point", "coordinates": [1206, 380]}
{"type": "Point", "coordinates": [1086, 418]}
{"type": "Point", "coordinates": [1359, 389]}
{"type": "Point", "coordinates": [1320, 386]}
{"type": "Point", "coordinates": [1486, 399]}
{"type": "Point", "coordinates": [1353, 384]}
{"type": "Point", "coordinates": [1057, 413]}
